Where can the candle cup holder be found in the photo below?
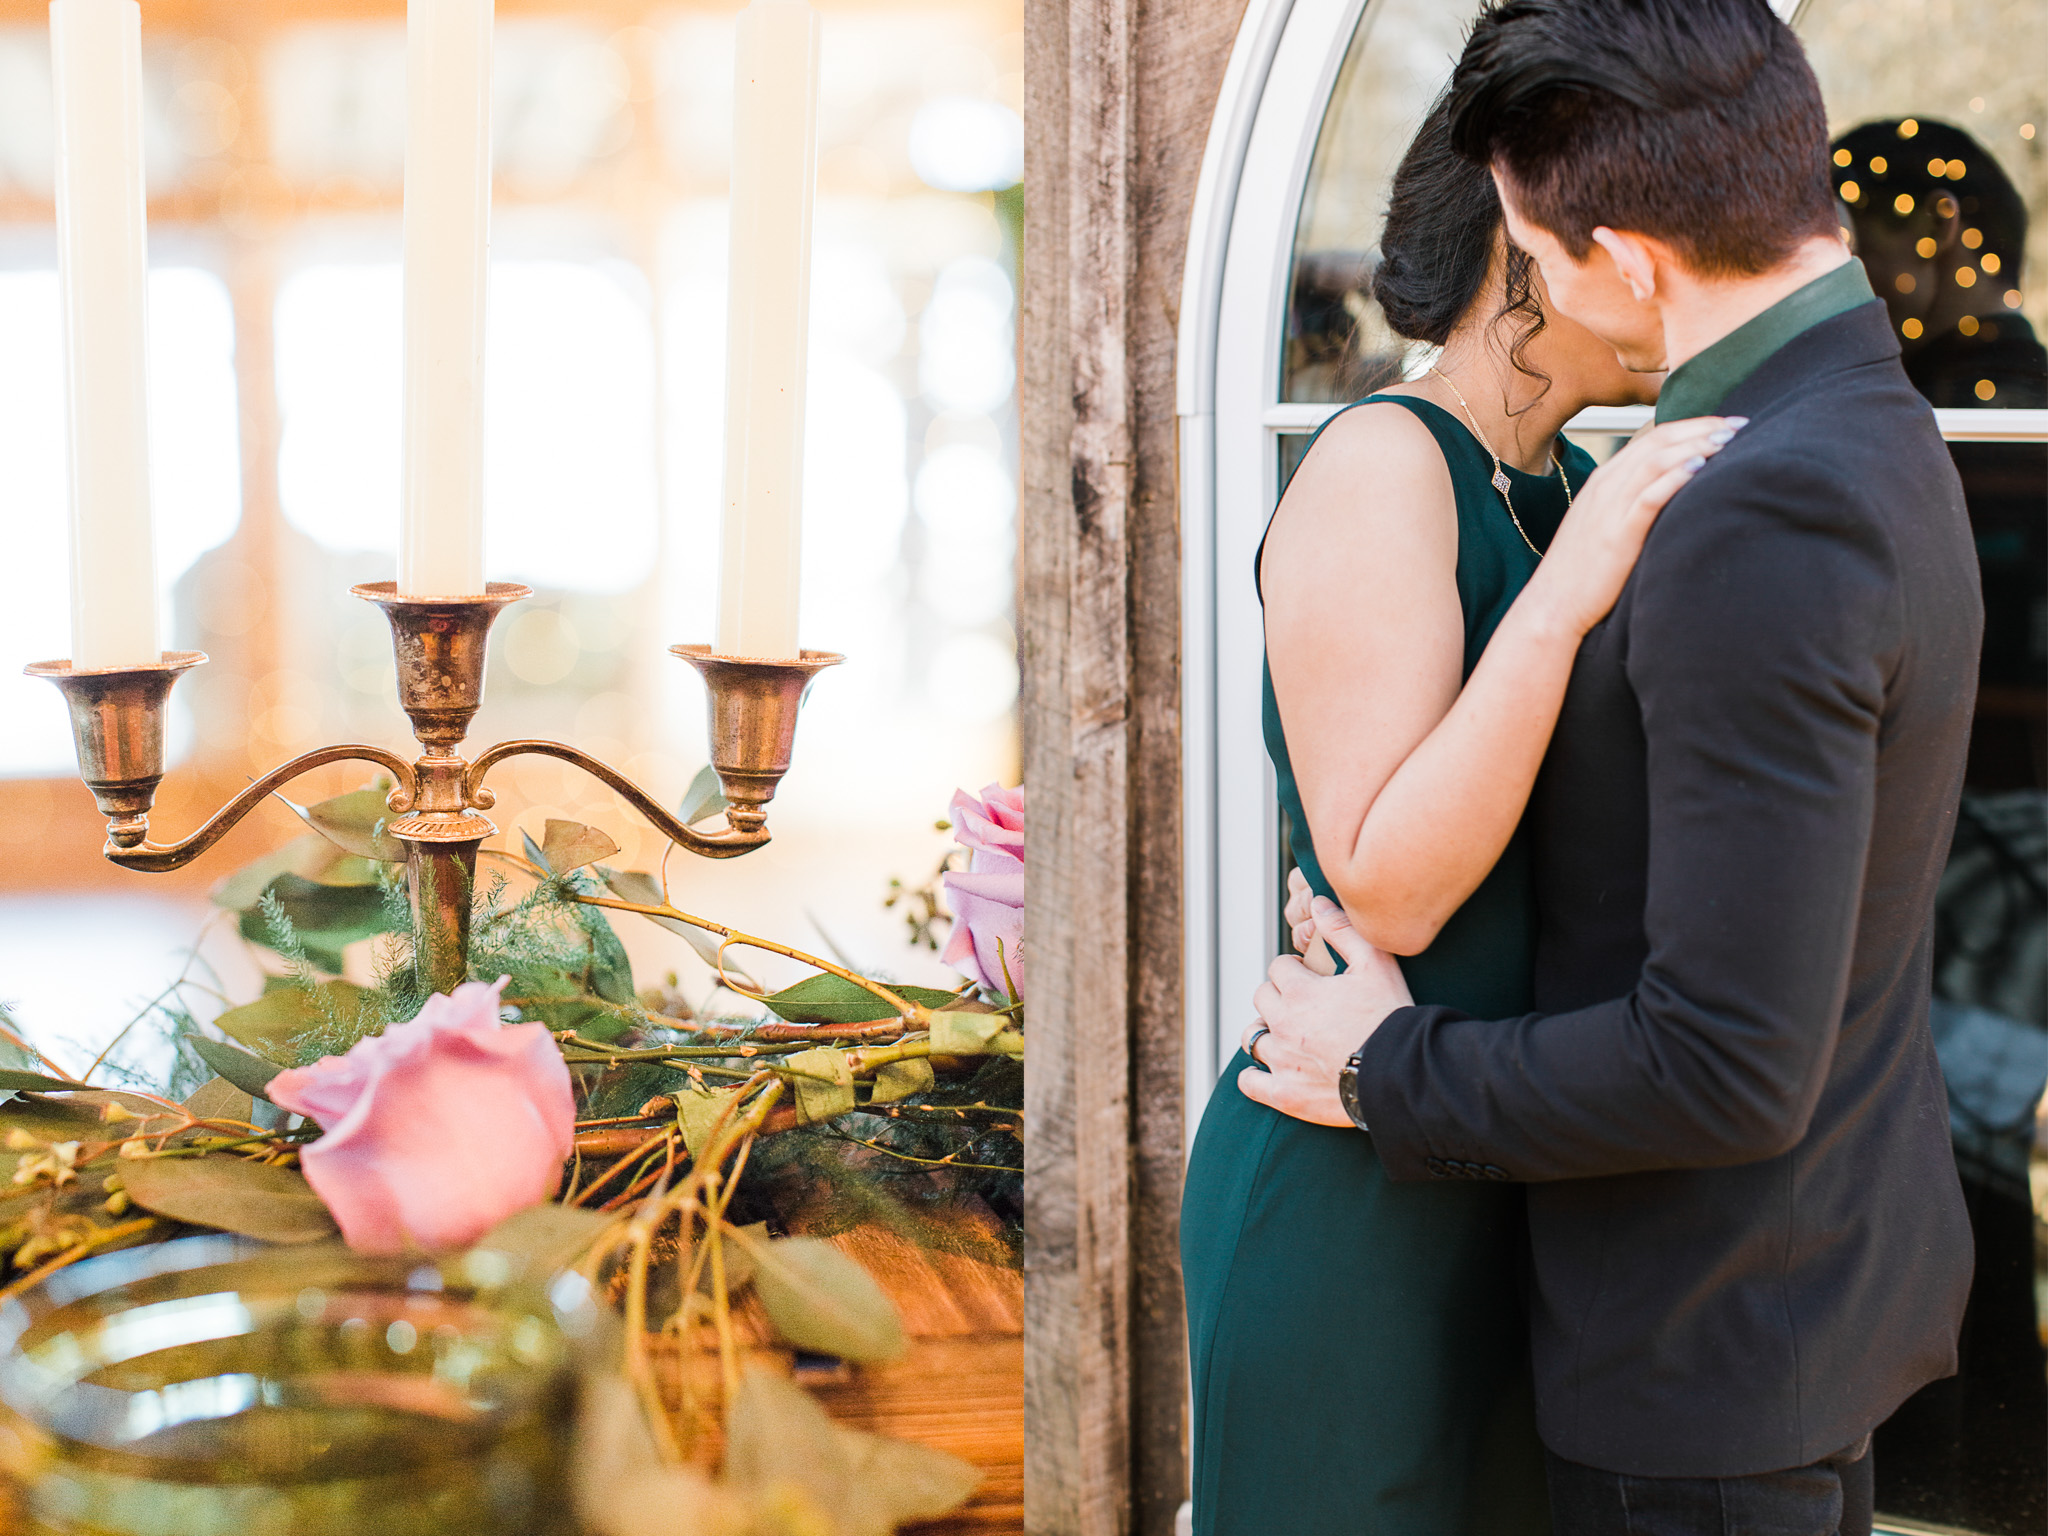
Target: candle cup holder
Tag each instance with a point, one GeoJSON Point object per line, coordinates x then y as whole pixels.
{"type": "Point", "coordinates": [439, 645]}
{"type": "Point", "coordinates": [752, 707]}
{"type": "Point", "coordinates": [117, 722]}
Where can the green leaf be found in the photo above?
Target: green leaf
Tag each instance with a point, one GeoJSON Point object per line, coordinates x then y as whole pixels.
{"type": "Point", "coordinates": [820, 1299]}
{"type": "Point", "coordinates": [779, 1437]}
{"type": "Point", "coordinates": [823, 1080]}
{"type": "Point", "coordinates": [622, 1487]}
{"type": "Point", "coordinates": [896, 1481]}
{"type": "Point", "coordinates": [567, 845]}
{"type": "Point", "coordinates": [901, 1079]}
{"type": "Point", "coordinates": [310, 857]}
{"type": "Point", "coordinates": [643, 890]}
{"type": "Point", "coordinates": [705, 797]}
{"type": "Point", "coordinates": [327, 917]}
{"type": "Point", "coordinates": [963, 1033]}
{"type": "Point", "coordinates": [276, 1017]}
{"type": "Point", "coordinates": [611, 972]}
{"type": "Point", "coordinates": [829, 999]}
{"type": "Point", "coordinates": [355, 822]}
{"type": "Point", "coordinates": [219, 1099]}
{"type": "Point", "coordinates": [248, 1072]}
{"type": "Point", "coordinates": [233, 1193]}
{"type": "Point", "coordinates": [12, 1083]}
{"type": "Point", "coordinates": [777, 1434]}
{"type": "Point", "coordinates": [698, 1111]}
{"type": "Point", "coordinates": [544, 1239]}
{"type": "Point", "coordinates": [740, 1267]}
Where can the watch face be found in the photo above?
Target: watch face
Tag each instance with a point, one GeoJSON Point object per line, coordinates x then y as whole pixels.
{"type": "Point", "coordinates": [1347, 1089]}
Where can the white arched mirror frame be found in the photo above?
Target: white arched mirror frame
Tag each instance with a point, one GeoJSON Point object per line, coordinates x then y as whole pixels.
{"type": "Point", "coordinates": [1276, 91]}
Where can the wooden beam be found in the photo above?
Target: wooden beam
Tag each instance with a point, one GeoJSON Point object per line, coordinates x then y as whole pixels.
{"type": "Point", "coordinates": [1118, 97]}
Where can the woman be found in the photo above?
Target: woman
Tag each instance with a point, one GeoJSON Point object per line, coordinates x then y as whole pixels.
{"type": "Point", "coordinates": [1358, 1346]}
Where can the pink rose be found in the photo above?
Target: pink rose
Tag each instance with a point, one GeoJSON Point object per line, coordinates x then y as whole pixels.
{"type": "Point", "coordinates": [437, 1129]}
{"type": "Point", "coordinates": [988, 899]}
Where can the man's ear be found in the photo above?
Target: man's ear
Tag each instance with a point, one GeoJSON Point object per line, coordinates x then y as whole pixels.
{"type": "Point", "coordinates": [1634, 258]}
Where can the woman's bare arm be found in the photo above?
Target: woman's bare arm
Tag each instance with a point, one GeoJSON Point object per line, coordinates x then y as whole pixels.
{"type": "Point", "coordinates": [1412, 786]}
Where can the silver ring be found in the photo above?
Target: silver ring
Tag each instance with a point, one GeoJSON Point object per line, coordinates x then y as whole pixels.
{"type": "Point", "coordinates": [1251, 1044]}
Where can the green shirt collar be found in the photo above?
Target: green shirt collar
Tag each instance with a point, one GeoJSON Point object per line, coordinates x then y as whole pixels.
{"type": "Point", "coordinates": [1698, 385]}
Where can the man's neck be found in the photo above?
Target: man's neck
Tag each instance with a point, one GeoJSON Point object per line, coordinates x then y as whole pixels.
{"type": "Point", "coordinates": [1697, 312]}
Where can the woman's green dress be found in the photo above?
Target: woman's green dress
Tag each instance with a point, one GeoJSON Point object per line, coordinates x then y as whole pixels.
{"type": "Point", "coordinates": [1358, 1346]}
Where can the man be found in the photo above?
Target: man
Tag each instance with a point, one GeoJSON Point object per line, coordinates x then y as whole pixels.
{"type": "Point", "coordinates": [1749, 1244]}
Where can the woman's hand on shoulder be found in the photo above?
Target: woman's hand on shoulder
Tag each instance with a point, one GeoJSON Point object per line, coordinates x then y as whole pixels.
{"type": "Point", "coordinates": [1589, 561]}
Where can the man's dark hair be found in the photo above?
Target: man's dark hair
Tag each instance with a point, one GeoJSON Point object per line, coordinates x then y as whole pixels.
{"type": "Point", "coordinates": [1696, 122]}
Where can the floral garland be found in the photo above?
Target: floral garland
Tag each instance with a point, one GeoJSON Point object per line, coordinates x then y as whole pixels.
{"type": "Point", "coordinates": [547, 1102]}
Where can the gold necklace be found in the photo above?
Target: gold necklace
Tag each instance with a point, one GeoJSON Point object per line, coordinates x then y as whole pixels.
{"type": "Point", "coordinates": [1500, 475]}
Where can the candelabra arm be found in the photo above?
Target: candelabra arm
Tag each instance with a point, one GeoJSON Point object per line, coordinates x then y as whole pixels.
{"type": "Point", "coordinates": [155, 858]}
{"type": "Point", "coordinates": [712, 845]}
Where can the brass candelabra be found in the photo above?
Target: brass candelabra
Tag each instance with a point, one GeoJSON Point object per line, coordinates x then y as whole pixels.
{"type": "Point", "coordinates": [117, 721]}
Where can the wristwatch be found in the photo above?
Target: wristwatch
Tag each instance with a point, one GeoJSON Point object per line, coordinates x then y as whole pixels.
{"type": "Point", "coordinates": [1347, 1089]}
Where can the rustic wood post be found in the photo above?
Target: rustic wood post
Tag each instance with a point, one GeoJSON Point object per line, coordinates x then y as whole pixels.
{"type": "Point", "coordinates": [1118, 98]}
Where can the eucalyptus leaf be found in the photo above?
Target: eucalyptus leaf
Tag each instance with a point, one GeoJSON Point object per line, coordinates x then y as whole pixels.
{"type": "Point", "coordinates": [533, 850]}
{"type": "Point", "coordinates": [12, 1082]}
{"type": "Point", "coordinates": [309, 856]}
{"type": "Point", "coordinates": [623, 1488]}
{"type": "Point", "coordinates": [355, 822]}
{"type": "Point", "coordinates": [276, 1017]}
{"type": "Point", "coordinates": [895, 1481]}
{"type": "Point", "coordinates": [818, 1298]}
{"type": "Point", "coordinates": [961, 1033]}
{"type": "Point", "coordinates": [823, 1080]}
{"type": "Point", "coordinates": [544, 1239]}
{"type": "Point", "coordinates": [643, 890]}
{"type": "Point", "coordinates": [232, 1193]}
{"type": "Point", "coordinates": [829, 999]}
{"type": "Point", "coordinates": [567, 845]}
{"type": "Point", "coordinates": [705, 797]}
{"type": "Point", "coordinates": [611, 971]}
{"type": "Point", "coordinates": [901, 1079]}
{"type": "Point", "coordinates": [219, 1099]}
{"type": "Point", "coordinates": [245, 1070]}
{"type": "Point", "coordinates": [327, 917]}
{"type": "Point", "coordinates": [778, 1435]}
{"type": "Point", "coordinates": [241, 890]}
{"type": "Point", "coordinates": [740, 1267]}
{"type": "Point", "coordinates": [699, 1110]}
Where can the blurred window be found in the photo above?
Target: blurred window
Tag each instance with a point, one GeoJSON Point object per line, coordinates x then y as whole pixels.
{"type": "Point", "coordinates": [195, 481]}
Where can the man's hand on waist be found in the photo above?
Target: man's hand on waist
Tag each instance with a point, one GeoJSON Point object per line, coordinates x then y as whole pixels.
{"type": "Point", "coordinates": [1309, 1025]}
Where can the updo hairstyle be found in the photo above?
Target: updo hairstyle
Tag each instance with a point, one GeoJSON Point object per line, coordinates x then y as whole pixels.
{"type": "Point", "coordinates": [1443, 217]}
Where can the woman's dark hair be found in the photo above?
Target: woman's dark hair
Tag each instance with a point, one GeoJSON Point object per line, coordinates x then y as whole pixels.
{"type": "Point", "coordinates": [1443, 219]}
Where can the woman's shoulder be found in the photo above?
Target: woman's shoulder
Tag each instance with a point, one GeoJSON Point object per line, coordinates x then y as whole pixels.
{"type": "Point", "coordinates": [1374, 483]}
{"type": "Point", "coordinates": [1399, 425]}
{"type": "Point", "coordinates": [1382, 451]}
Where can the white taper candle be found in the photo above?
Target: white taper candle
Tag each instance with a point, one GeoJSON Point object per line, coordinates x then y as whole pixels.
{"type": "Point", "coordinates": [102, 254]}
{"type": "Point", "coordinates": [447, 238]}
{"type": "Point", "coordinates": [774, 174]}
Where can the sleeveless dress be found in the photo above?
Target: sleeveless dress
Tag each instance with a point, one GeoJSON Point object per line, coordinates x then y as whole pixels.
{"type": "Point", "coordinates": [1359, 1347]}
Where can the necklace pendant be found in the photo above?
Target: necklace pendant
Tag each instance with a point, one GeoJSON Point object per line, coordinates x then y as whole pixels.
{"type": "Point", "coordinates": [1500, 480]}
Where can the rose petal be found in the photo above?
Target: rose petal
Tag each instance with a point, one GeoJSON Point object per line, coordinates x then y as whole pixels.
{"type": "Point", "coordinates": [438, 1128]}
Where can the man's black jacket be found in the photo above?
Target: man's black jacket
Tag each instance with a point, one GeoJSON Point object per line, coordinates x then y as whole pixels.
{"type": "Point", "coordinates": [1750, 1245]}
